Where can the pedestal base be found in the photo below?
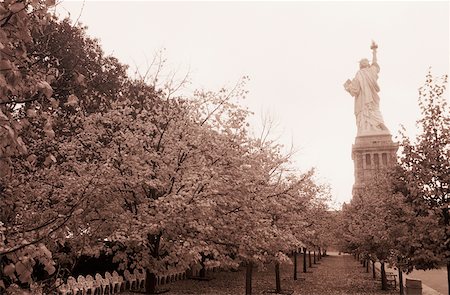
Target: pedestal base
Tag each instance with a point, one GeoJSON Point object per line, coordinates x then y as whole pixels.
{"type": "Point", "coordinates": [371, 153]}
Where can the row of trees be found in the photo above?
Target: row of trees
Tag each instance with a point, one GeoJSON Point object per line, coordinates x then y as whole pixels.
{"type": "Point", "coordinates": [402, 216]}
{"type": "Point", "coordinates": [95, 162]}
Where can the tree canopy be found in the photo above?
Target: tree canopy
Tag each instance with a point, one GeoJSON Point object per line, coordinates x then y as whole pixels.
{"type": "Point", "coordinates": [94, 161]}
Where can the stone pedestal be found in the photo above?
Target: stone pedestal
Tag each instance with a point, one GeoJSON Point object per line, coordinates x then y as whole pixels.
{"type": "Point", "coordinates": [370, 153]}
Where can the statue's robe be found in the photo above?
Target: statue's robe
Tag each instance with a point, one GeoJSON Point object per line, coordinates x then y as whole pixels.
{"type": "Point", "coordinates": [364, 87]}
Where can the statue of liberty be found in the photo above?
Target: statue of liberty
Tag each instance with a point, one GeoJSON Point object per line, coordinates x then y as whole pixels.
{"type": "Point", "coordinates": [364, 88]}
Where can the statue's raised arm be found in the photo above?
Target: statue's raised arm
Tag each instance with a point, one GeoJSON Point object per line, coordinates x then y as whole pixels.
{"type": "Point", "coordinates": [374, 48]}
{"type": "Point", "coordinates": [364, 87]}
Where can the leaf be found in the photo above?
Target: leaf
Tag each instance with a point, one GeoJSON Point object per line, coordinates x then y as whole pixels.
{"type": "Point", "coordinates": [24, 123]}
{"type": "Point", "coordinates": [49, 160]}
{"type": "Point", "coordinates": [5, 65]}
{"type": "Point", "coordinates": [50, 2]}
{"type": "Point", "coordinates": [49, 133]}
{"type": "Point", "coordinates": [16, 7]}
{"type": "Point", "coordinates": [72, 100]}
{"type": "Point", "coordinates": [48, 129]}
{"type": "Point", "coordinates": [25, 276]}
{"type": "Point", "coordinates": [9, 270]}
{"type": "Point", "coordinates": [2, 81]}
{"type": "Point", "coordinates": [3, 35]}
{"type": "Point", "coordinates": [81, 79]}
{"type": "Point", "coordinates": [45, 250]}
{"type": "Point", "coordinates": [17, 125]}
{"type": "Point", "coordinates": [3, 10]}
{"type": "Point", "coordinates": [21, 145]}
{"type": "Point", "coordinates": [78, 211]}
{"type": "Point", "coordinates": [50, 269]}
{"type": "Point", "coordinates": [10, 131]}
{"type": "Point", "coordinates": [3, 116]}
{"type": "Point", "coordinates": [23, 269]}
{"type": "Point", "coordinates": [45, 88]}
{"type": "Point", "coordinates": [31, 113]}
{"type": "Point", "coordinates": [32, 159]}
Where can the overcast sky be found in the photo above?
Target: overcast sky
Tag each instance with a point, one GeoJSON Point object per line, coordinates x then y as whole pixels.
{"type": "Point", "coordinates": [297, 54]}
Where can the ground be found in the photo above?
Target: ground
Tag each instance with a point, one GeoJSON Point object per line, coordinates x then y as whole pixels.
{"type": "Point", "coordinates": [335, 275]}
{"type": "Point", "coordinates": [435, 278]}
{"type": "Point", "coordinates": [434, 281]}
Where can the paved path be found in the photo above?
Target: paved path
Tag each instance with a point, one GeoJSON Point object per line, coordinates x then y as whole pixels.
{"type": "Point", "coordinates": [335, 275]}
{"type": "Point", "coordinates": [342, 274]}
{"type": "Point", "coordinates": [434, 282]}
{"type": "Point", "coordinates": [436, 279]}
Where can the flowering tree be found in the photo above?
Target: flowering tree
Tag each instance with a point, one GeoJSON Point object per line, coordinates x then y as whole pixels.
{"type": "Point", "coordinates": [42, 194]}
{"type": "Point", "coordinates": [94, 161]}
{"type": "Point", "coordinates": [20, 83]}
{"type": "Point", "coordinates": [378, 224]}
{"type": "Point", "coordinates": [402, 216]}
{"type": "Point", "coordinates": [426, 162]}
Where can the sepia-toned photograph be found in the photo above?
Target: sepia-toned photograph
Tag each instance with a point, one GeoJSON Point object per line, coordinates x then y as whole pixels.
{"type": "Point", "coordinates": [224, 147]}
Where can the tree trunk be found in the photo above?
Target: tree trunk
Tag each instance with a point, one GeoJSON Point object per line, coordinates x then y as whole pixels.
{"type": "Point", "coordinates": [364, 263]}
{"type": "Point", "coordinates": [446, 212]}
{"type": "Point", "coordinates": [367, 265]}
{"type": "Point", "coordinates": [248, 279]}
{"type": "Point", "coordinates": [400, 280]}
{"type": "Point", "coordinates": [314, 257]}
{"type": "Point", "coordinates": [295, 265]}
{"type": "Point", "coordinates": [448, 277]}
{"type": "Point", "coordinates": [383, 278]}
{"type": "Point", "coordinates": [309, 258]}
{"type": "Point", "coordinates": [373, 270]}
{"type": "Point", "coordinates": [277, 278]}
{"type": "Point", "coordinates": [150, 282]}
{"type": "Point", "coordinates": [304, 260]}
{"type": "Point", "coordinates": [320, 253]}
{"type": "Point", "coordinates": [202, 272]}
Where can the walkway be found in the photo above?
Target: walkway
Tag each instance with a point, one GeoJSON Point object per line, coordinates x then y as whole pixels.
{"type": "Point", "coordinates": [434, 281]}
{"type": "Point", "coordinates": [335, 275]}
{"type": "Point", "coordinates": [435, 278]}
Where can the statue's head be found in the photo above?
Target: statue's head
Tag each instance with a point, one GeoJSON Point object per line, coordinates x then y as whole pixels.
{"type": "Point", "coordinates": [364, 63]}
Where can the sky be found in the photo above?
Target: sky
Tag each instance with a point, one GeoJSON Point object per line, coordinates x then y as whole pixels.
{"type": "Point", "coordinates": [298, 56]}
